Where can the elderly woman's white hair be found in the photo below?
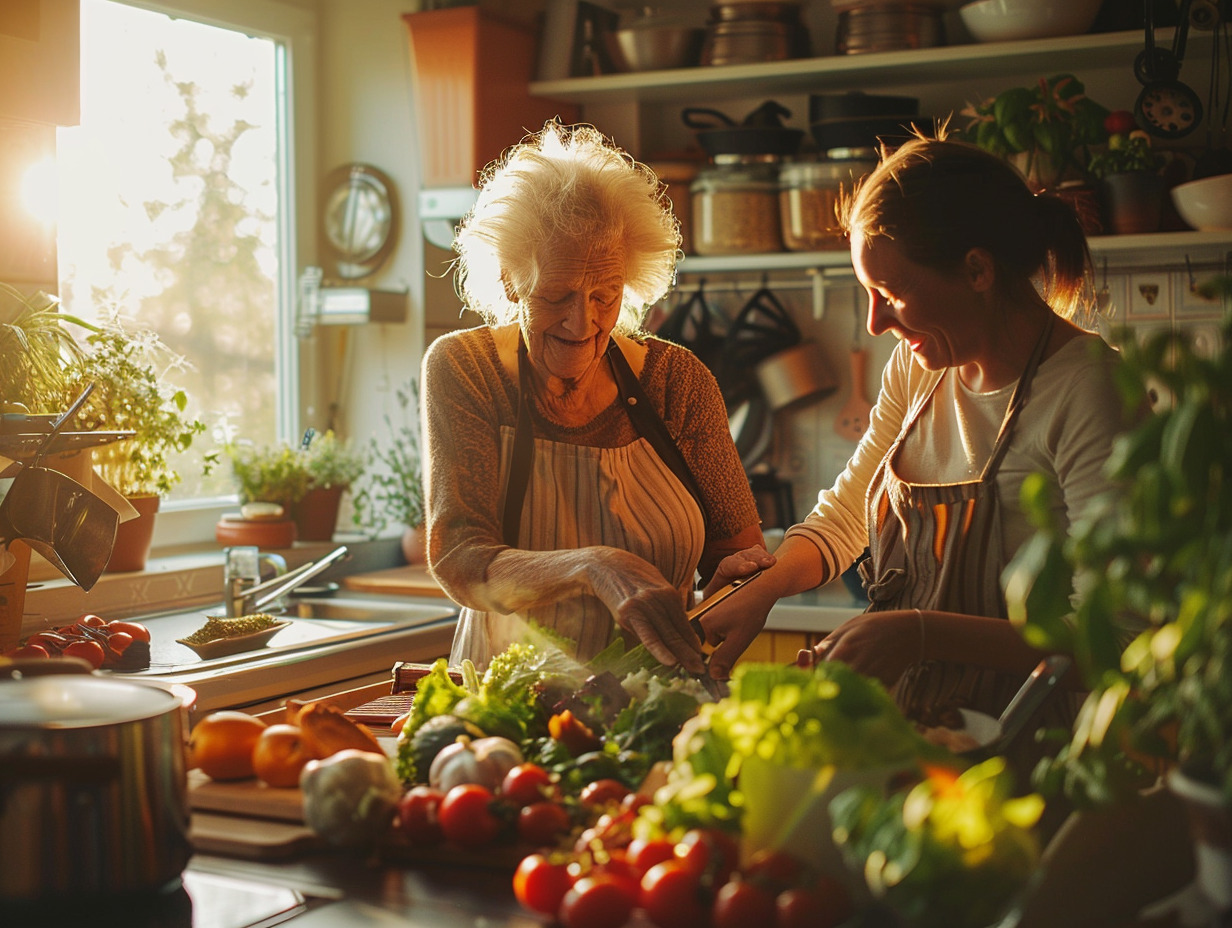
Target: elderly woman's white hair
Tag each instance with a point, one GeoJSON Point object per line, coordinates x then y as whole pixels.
{"type": "Point", "coordinates": [564, 184]}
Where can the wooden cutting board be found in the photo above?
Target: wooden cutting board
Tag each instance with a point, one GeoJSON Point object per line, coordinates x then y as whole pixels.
{"type": "Point", "coordinates": [250, 838]}
{"type": "Point", "coordinates": [408, 580]}
{"type": "Point", "coordinates": [250, 798]}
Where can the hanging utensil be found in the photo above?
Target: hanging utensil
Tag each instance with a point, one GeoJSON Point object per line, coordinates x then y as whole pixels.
{"type": "Point", "coordinates": [1166, 108]}
{"type": "Point", "coordinates": [691, 325]}
{"type": "Point", "coordinates": [852, 420]}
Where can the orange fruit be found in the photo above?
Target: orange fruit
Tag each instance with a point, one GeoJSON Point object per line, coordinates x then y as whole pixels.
{"type": "Point", "coordinates": [280, 754]}
{"type": "Point", "coordinates": [222, 743]}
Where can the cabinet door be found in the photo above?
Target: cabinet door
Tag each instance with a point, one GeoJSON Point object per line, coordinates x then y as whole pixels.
{"type": "Point", "coordinates": [40, 61]}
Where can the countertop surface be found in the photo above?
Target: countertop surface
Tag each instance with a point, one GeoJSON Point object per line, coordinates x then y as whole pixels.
{"type": "Point", "coordinates": [819, 610]}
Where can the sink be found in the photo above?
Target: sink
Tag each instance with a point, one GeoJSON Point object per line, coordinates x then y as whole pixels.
{"type": "Point", "coordinates": [349, 609]}
{"type": "Point", "coordinates": [329, 639]}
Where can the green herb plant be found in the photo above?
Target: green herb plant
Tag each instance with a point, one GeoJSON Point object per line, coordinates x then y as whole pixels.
{"type": "Point", "coordinates": [1126, 154]}
{"type": "Point", "coordinates": [37, 348]}
{"type": "Point", "coordinates": [333, 462]}
{"type": "Point", "coordinates": [1052, 125]}
{"type": "Point", "coordinates": [272, 474]}
{"type": "Point", "coordinates": [129, 368]}
{"type": "Point", "coordinates": [1152, 560]}
{"type": "Point", "coordinates": [392, 489]}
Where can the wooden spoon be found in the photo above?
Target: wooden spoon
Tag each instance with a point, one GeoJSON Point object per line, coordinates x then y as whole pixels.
{"type": "Point", "coordinates": [852, 420]}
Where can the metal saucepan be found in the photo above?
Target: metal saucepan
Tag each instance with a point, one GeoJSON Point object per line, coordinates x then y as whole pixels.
{"type": "Point", "coordinates": [93, 787]}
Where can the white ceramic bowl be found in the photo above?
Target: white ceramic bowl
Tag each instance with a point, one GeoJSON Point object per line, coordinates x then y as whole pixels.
{"type": "Point", "coordinates": [1206, 204]}
{"type": "Point", "coordinates": [1011, 20]}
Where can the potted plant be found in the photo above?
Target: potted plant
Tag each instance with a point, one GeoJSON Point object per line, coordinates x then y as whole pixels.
{"type": "Point", "coordinates": [1153, 560]}
{"type": "Point", "coordinates": [392, 490]}
{"type": "Point", "coordinates": [129, 368]}
{"type": "Point", "coordinates": [333, 466]}
{"type": "Point", "coordinates": [36, 347]}
{"type": "Point", "coordinates": [1132, 190]}
{"type": "Point", "coordinates": [1047, 129]}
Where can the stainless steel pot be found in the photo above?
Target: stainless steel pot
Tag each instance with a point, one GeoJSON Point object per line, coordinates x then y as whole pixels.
{"type": "Point", "coordinates": [93, 787]}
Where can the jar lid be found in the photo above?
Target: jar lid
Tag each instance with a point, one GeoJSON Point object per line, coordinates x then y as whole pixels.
{"type": "Point", "coordinates": [738, 177]}
{"type": "Point", "coordinates": [823, 173]}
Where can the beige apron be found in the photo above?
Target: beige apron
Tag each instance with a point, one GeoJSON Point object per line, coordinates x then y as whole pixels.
{"type": "Point", "coordinates": [561, 496]}
{"type": "Point", "coordinates": [938, 547]}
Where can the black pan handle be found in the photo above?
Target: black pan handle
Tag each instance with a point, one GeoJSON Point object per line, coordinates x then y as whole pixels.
{"type": "Point", "coordinates": [693, 117]}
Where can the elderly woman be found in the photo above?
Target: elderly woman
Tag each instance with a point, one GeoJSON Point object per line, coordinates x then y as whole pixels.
{"type": "Point", "coordinates": [581, 474]}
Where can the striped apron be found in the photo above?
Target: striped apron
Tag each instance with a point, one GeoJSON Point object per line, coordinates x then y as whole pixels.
{"type": "Point", "coordinates": [640, 497]}
{"type": "Point", "coordinates": [938, 547]}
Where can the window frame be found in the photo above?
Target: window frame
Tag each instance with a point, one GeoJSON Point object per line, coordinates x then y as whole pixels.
{"type": "Point", "coordinates": [185, 523]}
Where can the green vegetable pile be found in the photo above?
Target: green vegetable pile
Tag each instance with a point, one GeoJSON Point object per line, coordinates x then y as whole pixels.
{"type": "Point", "coordinates": [953, 852]}
{"type": "Point", "coordinates": [521, 690]}
{"type": "Point", "coordinates": [792, 719]}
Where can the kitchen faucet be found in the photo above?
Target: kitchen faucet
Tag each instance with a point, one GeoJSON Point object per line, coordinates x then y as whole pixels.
{"type": "Point", "coordinates": [241, 599]}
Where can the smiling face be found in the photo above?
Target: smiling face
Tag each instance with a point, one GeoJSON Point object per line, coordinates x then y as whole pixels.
{"type": "Point", "coordinates": [938, 315]}
{"type": "Point", "coordinates": [569, 316]}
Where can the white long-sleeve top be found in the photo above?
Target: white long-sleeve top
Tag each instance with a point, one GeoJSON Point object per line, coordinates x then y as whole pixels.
{"type": "Point", "coordinates": [1065, 431]}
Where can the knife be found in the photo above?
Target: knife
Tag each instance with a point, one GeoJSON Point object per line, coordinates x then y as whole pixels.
{"type": "Point", "coordinates": [695, 614]}
{"type": "Point", "coordinates": [716, 688]}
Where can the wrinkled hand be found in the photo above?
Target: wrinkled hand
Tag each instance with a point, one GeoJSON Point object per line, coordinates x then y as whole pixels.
{"type": "Point", "coordinates": [645, 604]}
{"type": "Point", "coordinates": [877, 644]}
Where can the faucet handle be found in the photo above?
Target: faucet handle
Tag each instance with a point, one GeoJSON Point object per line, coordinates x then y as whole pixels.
{"type": "Point", "coordinates": [279, 565]}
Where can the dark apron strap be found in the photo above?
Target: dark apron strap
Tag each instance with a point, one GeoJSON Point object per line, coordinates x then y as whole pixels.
{"type": "Point", "coordinates": [1017, 401]}
{"type": "Point", "coordinates": [650, 425]}
{"type": "Point", "coordinates": [646, 422]}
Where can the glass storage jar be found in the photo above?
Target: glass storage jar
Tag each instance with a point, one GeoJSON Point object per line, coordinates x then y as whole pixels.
{"type": "Point", "coordinates": [736, 207]}
{"type": "Point", "coordinates": [677, 176]}
{"type": "Point", "coordinates": [809, 194]}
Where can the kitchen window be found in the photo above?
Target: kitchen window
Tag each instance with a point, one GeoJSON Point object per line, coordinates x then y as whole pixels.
{"type": "Point", "coordinates": [176, 210]}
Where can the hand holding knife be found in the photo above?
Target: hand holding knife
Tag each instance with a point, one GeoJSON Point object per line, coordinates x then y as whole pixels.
{"type": "Point", "coordinates": [716, 688]}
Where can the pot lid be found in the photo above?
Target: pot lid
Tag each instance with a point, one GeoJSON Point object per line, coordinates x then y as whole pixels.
{"type": "Point", "coordinates": [72, 701]}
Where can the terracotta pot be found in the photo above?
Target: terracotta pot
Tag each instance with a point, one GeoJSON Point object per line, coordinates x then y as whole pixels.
{"type": "Point", "coordinates": [1133, 202]}
{"type": "Point", "coordinates": [132, 540]}
{"type": "Point", "coordinates": [414, 542]}
{"type": "Point", "coordinates": [316, 514]}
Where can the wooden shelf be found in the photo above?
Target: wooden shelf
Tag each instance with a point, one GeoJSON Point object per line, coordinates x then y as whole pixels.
{"type": "Point", "coordinates": [867, 72]}
{"type": "Point", "coordinates": [1160, 250]}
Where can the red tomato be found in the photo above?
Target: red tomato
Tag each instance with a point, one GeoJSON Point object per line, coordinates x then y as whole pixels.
{"type": "Point", "coordinates": [540, 884]}
{"type": "Point", "coordinates": [119, 641]}
{"type": "Point", "coordinates": [633, 802]}
{"type": "Point", "coordinates": [91, 620]}
{"type": "Point", "coordinates": [601, 792]}
{"type": "Point", "coordinates": [711, 853]}
{"type": "Point", "coordinates": [419, 815]}
{"type": "Point", "coordinates": [29, 650]}
{"type": "Point", "coordinates": [773, 870]}
{"type": "Point", "coordinates": [644, 853]}
{"type": "Point", "coordinates": [1120, 122]}
{"type": "Point", "coordinates": [597, 902]}
{"type": "Point", "coordinates": [741, 904]}
{"type": "Point", "coordinates": [136, 629]}
{"type": "Point", "coordinates": [825, 905]}
{"type": "Point", "coordinates": [51, 641]}
{"type": "Point", "coordinates": [527, 783]}
{"type": "Point", "coordinates": [542, 822]}
{"type": "Point", "coordinates": [90, 651]}
{"type": "Point", "coordinates": [466, 816]}
{"type": "Point", "coordinates": [673, 896]}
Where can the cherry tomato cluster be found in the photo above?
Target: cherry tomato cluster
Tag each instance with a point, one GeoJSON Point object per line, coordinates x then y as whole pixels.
{"type": "Point", "coordinates": [695, 882]}
{"type": "Point", "coordinates": [528, 808]}
{"type": "Point", "coordinates": [115, 645]}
